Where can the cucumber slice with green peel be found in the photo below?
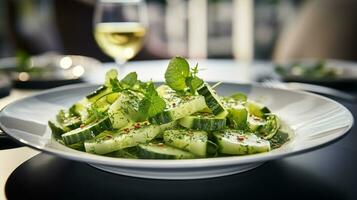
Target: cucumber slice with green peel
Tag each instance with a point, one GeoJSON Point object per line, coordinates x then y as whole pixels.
{"type": "Point", "coordinates": [212, 149]}
{"type": "Point", "coordinates": [130, 152]}
{"type": "Point", "coordinates": [87, 132]}
{"type": "Point", "coordinates": [56, 128]}
{"type": "Point", "coordinates": [237, 117]}
{"type": "Point", "coordinates": [177, 106]}
{"type": "Point", "coordinates": [271, 127]}
{"type": "Point", "coordinates": [230, 102]}
{"type": "Point", "coordinates": [188, 140]}
{"type": "Point", "coordinates": [97, 92]}
{"type": "Point", "coordinates": [99, 95]}
{"type": "Point", "coordinates": [129, 103]}
{"type": "Point", "coordinates": [72, 123]}
{"type": "Point", "coordinates": [212, 100]}
{"type": "Point", "coordinates": [171, 125]}
{"type": "Point", "coordinates": [203, 121]}
{"type": "Point", "coordinates": [162, 151]}
{"type": "Point", "coordinates": [257, 109]}
{"type": "Point", "coordinates": [124, 110]}
{"type": "Point", "coordinates": [265, 128]}
{"type": "Point", "coordinates": [81, 109]}
{"type": "Point", "coordinates": [77, 146]}
{"type": "Point", "coordinates": [255, 123]}
{"type": "Point", "coordinates": [117, 117]}
{"type": "Point", "coordinates": [162, 118]}
{"type": "Point", "coordinates": [138, 133]}
{"type": "Point", "coordinates": [236, 142]}
{"type": "Point", "coordinates": [68, 120]}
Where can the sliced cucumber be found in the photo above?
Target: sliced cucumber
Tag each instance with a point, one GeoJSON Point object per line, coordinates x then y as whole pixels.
{"type": "Point", "coordinates": [230, 102]}
{"type": "Point", "coordinates": [81, 109]}
{"type": "Point", "coordinates": [117, 116]}
{"type": "Point", "coordinates": [257, 109]}
{"type": "Point", "coordinates": [163, 118]}
{"type": "Point", "coordinates": [72, 123]}
{"type": "Point", "coordinates": [57, 128]}
{"type": "Point", "coordinates": [87, 132]}
{"type": "Point", "coordinates": [188, 140]}
{"type": "Point", "coordinates": [68, 120]}
{"type": "Point", "coordinates": [235, 142]}
{"type": "Point", "coordinates": [171, 125]}
{"type": "Point", "coordinates": [162, 151]}
{"type": "Point", "coordinates": [129, 103]}
{"type": "Point", "coordinates": [203, 121]}
{"type": "Point", "coordinates": [265, 128]}
{"type": "Point", "coordinates": [177, 106]}
{"type": "Point", "coordinates": [255, 123]}
{"type": "Point", "coordinates": [271, 127]}
{"type": "Point", "coordinates": [237, 117]}
{"type": "Point", "coordinates": [138, 133]}
{"type": "Point", "coordinates": [130, 152]}
{"type": "Point", "coordinates": [97, 93]}
{"type": "Point", "coordinates": [212, 100]}
{"type": "Point", "coordinates": [124, 110]}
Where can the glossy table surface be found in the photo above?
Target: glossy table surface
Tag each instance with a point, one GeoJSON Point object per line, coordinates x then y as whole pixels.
{"type": "Point", "coordinates": [326, 173]}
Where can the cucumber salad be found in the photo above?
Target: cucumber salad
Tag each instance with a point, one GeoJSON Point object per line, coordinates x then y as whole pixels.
{"type": "Point", "coordinates": [182, 119]}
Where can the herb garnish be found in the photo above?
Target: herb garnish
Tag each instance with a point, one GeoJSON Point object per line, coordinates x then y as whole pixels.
{"type": "Point", "coordinates": [150, 105]}
{"type": "Point", "coordinates": [180, 77]}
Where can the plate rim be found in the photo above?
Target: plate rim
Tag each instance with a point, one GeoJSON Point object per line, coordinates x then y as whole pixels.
{"type": "Point", "coordinates": [178, 164]}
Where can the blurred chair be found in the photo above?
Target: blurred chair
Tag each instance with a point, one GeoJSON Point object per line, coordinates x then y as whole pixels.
{"type": "Point", "coordinates": [322, 29]}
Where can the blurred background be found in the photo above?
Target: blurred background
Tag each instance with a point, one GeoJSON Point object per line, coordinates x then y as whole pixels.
{"type": "Point", "coordinates": [240, 29]}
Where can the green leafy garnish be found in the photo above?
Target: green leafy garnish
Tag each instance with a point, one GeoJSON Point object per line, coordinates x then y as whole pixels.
{"type": "Point", "coordinates": [111, 77]}
{"type": "Point", "coordinates": [130, 79]}
{"type": "Point", "coordinates": [176, 73]}
{"type": "Point", "coordinates": [152, 104]}
{"type": "Point", "coordinates": [95, 113]}
{"type": "Point", "coordinates": [179, 76]}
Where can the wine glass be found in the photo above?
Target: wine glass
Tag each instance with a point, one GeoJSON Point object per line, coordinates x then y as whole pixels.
{"type": "Point", "coordinates": [120, 27]}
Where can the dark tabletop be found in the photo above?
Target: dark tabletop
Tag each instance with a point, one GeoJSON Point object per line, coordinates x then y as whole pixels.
{"type": "Point", "coordinates": [326, 173]}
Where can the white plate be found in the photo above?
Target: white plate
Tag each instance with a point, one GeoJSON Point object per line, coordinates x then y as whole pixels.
{"type": "Point", "coordinates": [315, 120]}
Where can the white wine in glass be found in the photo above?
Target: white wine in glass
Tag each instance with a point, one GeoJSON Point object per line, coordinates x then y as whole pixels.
{"type": "Point", "coordinates": [120, 28]}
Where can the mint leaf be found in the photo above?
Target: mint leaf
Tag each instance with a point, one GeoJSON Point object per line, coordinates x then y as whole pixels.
{"type": "Point", "coordinates": [152, 104]}
{"type": "Point", "coordinates": [130, 79]}
{"type": "Point", "coordinates": [115, 85]}
{"type": "Point", "coordinates": [112, 74]}
{"type": "Point", "coordinates": [193, 83]}
{"type": "Point", "coordinates": [176, 73]}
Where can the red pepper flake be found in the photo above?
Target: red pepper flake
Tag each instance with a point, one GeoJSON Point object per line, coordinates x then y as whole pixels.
{"type": "Point", "coordinates": [240, 138]}
{"type": "Point", "coordinates": [126, 130]}
{"type": "Point", "coordinates": [82, 126]}
{"type": "Point", "coordinates": [160, 144]}
{"type": "Point", "coordinates": [137, 126]}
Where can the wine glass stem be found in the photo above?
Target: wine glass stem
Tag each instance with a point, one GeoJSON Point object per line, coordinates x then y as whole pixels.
{"type": "Point", "coordinates": [120, 62]}
{"type": "Point", "coordinates": [121, 65]}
